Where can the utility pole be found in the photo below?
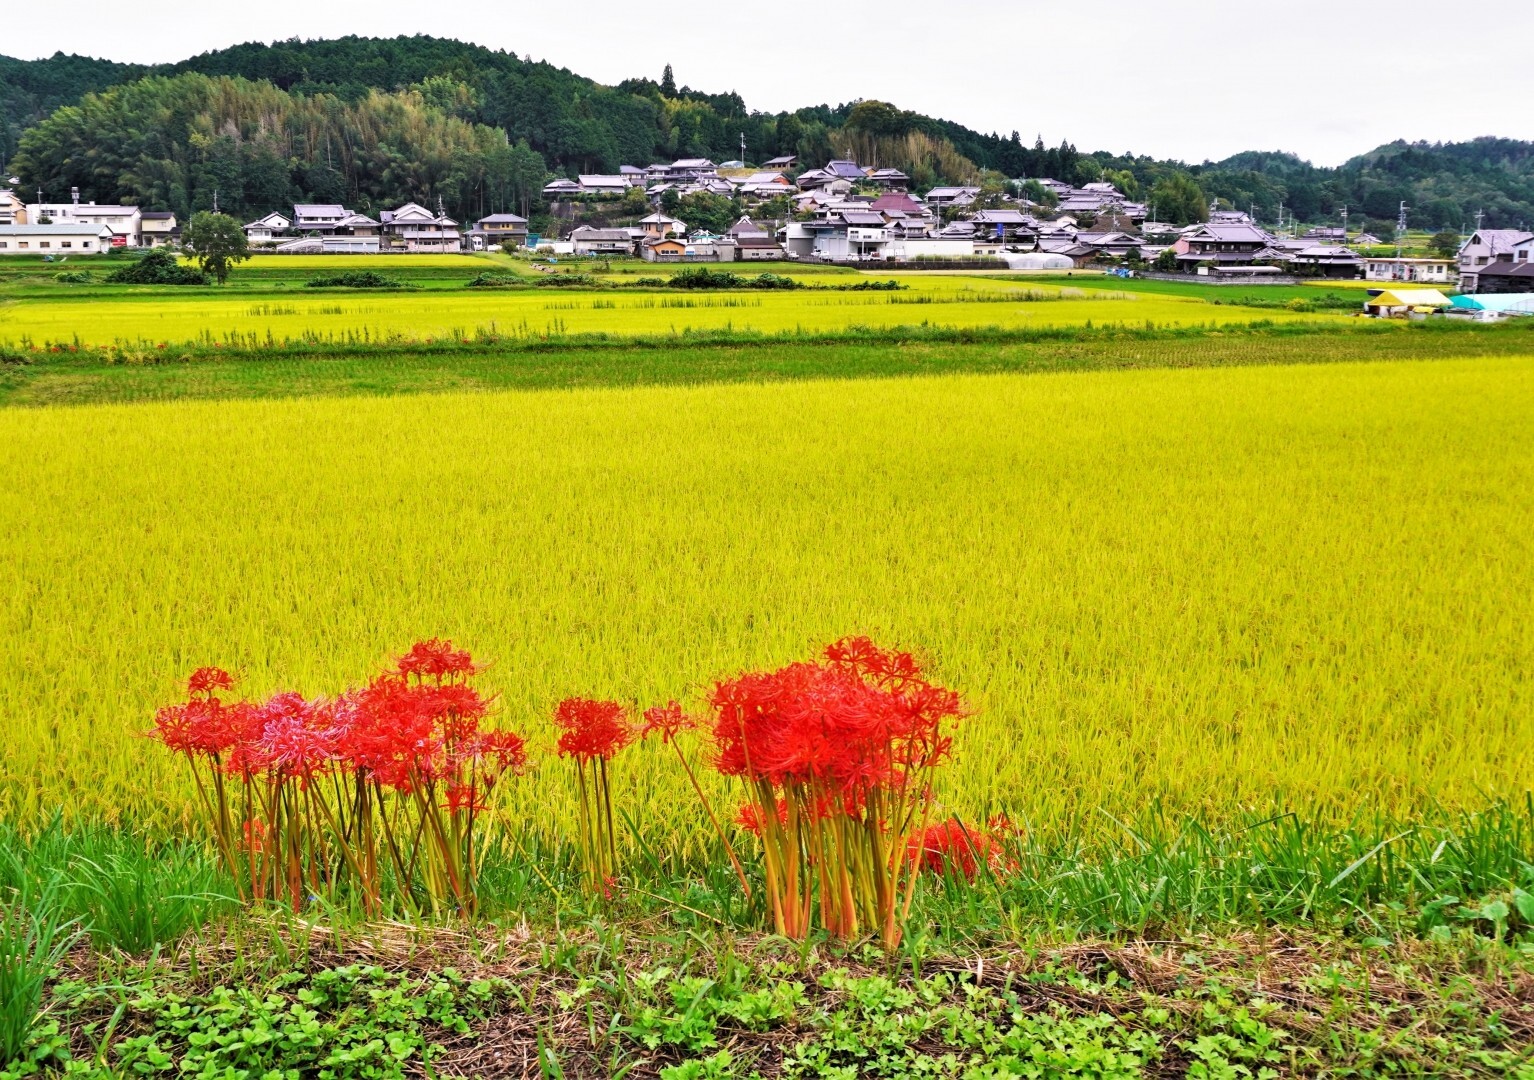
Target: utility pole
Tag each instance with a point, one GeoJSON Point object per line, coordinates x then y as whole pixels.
{"type": "Point", "coordinates": [1401, 227]}
{"type": "Point", "coordinates": [215, 200]}
{"type": "Point", "coordinates": [1344, 225]}
{"type": "Point", "coordinates": [742, 147]}
{"type": "Point", "coordinates": [1479, 214]}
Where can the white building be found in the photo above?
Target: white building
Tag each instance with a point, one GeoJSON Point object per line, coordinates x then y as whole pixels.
{"type": "Point", "coordinates": [126, 222]}
{"type": "Point", "coordinates": [12, 210]}
{"type": "Point", "coordinates": [1427, 271]}
{"type": "Point", "coordinates": [64, 238]}
{"type": "Point", "coordinates": [267, 230]}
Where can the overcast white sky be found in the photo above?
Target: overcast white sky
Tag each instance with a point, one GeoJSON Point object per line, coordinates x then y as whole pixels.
{"type": "Point", "coordinates": [1190, 79]}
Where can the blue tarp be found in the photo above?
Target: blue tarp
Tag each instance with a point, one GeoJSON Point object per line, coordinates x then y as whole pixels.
{"type": "Point", "coordinates": [1512, 303]}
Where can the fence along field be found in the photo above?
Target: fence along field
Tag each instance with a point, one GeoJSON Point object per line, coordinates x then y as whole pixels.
{"type": "Point", "coordinates": [1226, 590]}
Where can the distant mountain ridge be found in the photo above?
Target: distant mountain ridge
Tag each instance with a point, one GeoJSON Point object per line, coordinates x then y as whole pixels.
{"type": "Point", "coordinates": [579, 125]}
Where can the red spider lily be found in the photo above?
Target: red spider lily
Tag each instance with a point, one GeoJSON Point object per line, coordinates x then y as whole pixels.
{"type": "Point", "coordinates": [406, 771]}
{"type": "Point", "coordinates": [749, 817]}
{"type": "Point", "coordinates": [667, 721]}
{"type": "Point", "coordinates": [952, 847]}
{"type": "Point", "coordinates": [465, 797]}
{"type": "Point", "coordinates": [592, 729]}
{"type": "Point", "coordinates": [593, 732]}
{"type": "Point", "coordinates": [207, 679]}
{"type": "Point", "coordinates": [436, 659]}
{"type": "Point", "coordinates": [849, 745]}
{"type": "Point", "coordinates": [299, 738]}
{"type": "Point", "coordinates": [505, 751]}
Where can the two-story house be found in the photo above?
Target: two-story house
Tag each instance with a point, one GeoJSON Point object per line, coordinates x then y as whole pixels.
{"type": "Point", "coordinates": [265, 231]}
{"type": "Point", "coordinates": [158, 228]}
{"type": "Point", "coordinates": [1487, 246]}
{"type": "Point", "coordinates": [412, 227]}
{"type": "Point", "coordinates": [1225, 245]}
{"type": "Point", "coordinates": [318, 217]}
{"type": "Point", "coordinates": [124, 221]}
{"type": "Point", "coordinates": [499, 229]}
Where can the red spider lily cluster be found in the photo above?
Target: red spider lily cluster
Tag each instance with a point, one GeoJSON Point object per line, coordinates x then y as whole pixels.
{"type": "Point", "coordinates": [382, 786]}
{"type": "Point", "coordinates": [953, 848]}
{"type": "Point", "coordinates": [592, 732]}
{"type": "Point", "coordinates": [838, 757]}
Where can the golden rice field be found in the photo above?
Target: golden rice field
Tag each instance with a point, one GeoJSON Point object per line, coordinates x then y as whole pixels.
{"type": "Point", "coordinates": [1222, 589]}
{"type": "Point", "coordinates": [295, 314]}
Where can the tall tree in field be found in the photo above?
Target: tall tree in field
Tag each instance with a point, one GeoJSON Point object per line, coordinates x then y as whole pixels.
{"type": "Point", "coordinates": [216, 243]}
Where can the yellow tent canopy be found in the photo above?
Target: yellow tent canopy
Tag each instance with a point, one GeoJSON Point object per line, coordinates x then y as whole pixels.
{"type": "Point", "coordinates": [1408, 298]}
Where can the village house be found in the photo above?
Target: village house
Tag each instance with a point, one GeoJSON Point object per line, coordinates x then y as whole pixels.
{"type": "Point", "coordinates": [1003, 224]}
{"type": "Point", "coordinates": [324, 229]}
{"type": "Point", "coordinates": [784, 162]}
{"type": "Point", "coordinates": [1487, 246]}
{"type": "Point", "coordinates": [846, 170]}
{"type": "Point", "coordinates": [745, 227]}
{"type": "Point", "coordinates": [1424, 271]}
{"type": "Point", "coordinates": [682, 171]}
{"type": "Point", "coordinates": [659, 224]}
{"type": "Point", "coordinates": [1113, 243]}
{"type": "Point", "coordinates": [900, 202]}
{"type": "Point", "coordinates": [12, 210]}
{"type": "Point", "coordinates": [889, 179]}
{"type": "Point", "coordinates": [1327, 235]}
{"type": "Point", "coordinates": [124, 221]}
{"type": "Point", "coordinates": [1324, 261]}
{"type": "Point", "coordinates": [849, 236]}
{"type": "Point", "coordinates": [820, 180]}
{"type": "Point", "coordinates": [663, 249]}
{"type": "Point", "coordinates": [941, 197]}
{"type": "Point", "coordinates": [588, 240]}
{"type": "Point", "coordinates": [318, 217]}
{"type": "Point", "coordinates": [561, 189]}
{"type": "Point", "coordinates": [498, 229]}
{"type": "Point", "coordinates": [604, 186]}
{"type": "Point", "coordinates": [764, 185]}
{"type": "Point", "coordinates": [266, 230]}
{"type": "Point", "coordinates": [1515, 275]}
{"type": "Point", "coordinates": [414, 228]}
{"type": "Point", "coordinates": [62, 238]}
{"type": "Point", "coordinates": [1213, 246]}
{"type": "Point", "coordinates": [158, 228]}
{"type": "Point", "coordinates": [758, 248]}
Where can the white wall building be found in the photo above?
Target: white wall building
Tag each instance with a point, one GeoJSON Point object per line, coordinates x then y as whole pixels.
{"type": "Point", "coordinates": [1431, 271]}
{"type": "Point", "coordinates": [126, 222]}
{"type": "Point", "coordinates": [64, 238]}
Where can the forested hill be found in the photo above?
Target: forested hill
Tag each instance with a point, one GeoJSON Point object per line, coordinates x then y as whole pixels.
{"type": "Point", "coordinates": [578, 125]}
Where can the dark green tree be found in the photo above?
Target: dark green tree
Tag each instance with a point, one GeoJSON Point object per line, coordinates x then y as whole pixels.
{"type": "Point", "coordinates": [1444, 243]}
{"type": "Point", "coordinates": [668, 82]}
{"type": "Point", "coordinates": [1179, 200]}
{"type": "Point", "coordinates": [216, 243]}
